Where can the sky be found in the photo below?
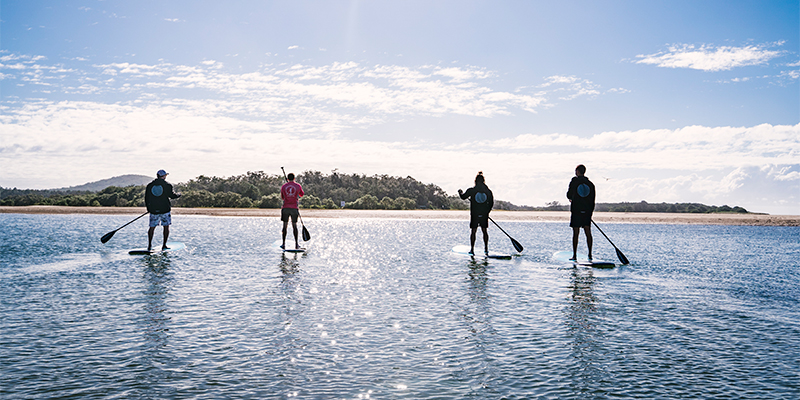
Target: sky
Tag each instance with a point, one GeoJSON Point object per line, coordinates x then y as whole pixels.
{"type": "Point", "coordinates": [663, 101]}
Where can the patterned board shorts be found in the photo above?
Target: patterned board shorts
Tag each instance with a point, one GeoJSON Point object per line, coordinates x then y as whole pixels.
{"type": "Point", "coordinates": [160, 219]}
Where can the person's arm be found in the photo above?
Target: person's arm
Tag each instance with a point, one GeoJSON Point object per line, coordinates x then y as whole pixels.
{"type": "Point", "coordinates": [464, 195]}
{"type": "Point", "coordinates": [300, 192]}
{"type": "Point", "coordinates": [571, 190]}
{"type": "Point", "coordinates": [172, 194]}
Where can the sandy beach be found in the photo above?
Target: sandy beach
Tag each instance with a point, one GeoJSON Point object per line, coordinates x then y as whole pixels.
{"type": "Point", "coordinates": [537, 216]}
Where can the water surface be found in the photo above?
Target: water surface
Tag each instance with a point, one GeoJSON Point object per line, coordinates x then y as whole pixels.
{"type": "Point", "coordinates": [382, 309]}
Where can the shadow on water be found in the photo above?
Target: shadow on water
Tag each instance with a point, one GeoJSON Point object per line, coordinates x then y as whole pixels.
{"type": "Point", "coordinates": [287, 342]}
{"type": "Point", "coordinates": [477, 315]}
{"type": "Point", "coordinates": [582, 330]}
{"type": "Point", "coordinates": [158, 280]}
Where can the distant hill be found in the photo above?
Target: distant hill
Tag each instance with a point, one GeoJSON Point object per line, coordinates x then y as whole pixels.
{"type": "Point", "coordinates": [119, 181]}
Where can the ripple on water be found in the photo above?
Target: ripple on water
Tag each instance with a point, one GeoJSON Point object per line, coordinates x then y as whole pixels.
{"type": "Point", "coordinates": [382, 308]}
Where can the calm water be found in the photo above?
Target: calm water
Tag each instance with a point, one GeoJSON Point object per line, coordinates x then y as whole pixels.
{"type": "Point", "coordinates": [381, 309]}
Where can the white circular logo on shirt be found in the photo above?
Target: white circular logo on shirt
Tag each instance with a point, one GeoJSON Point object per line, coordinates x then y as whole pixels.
{"type": "Point", "coordinates": [481, 197]}
{"type": "Point", "coordinates": [157, 190]}
{"type": "Point", "coordinates": [584, 190]}
{"type": "Point", "coordinates": [290, 191]}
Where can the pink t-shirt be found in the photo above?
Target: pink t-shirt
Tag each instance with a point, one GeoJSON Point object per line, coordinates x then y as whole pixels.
{"type": "Point", "coordinates": [291, 193]}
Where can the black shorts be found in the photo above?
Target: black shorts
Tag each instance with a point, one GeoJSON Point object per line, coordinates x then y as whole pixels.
{"type": "Point", "coordinates": [289, 212]}
{"type": "Point", "coordinates": [476, 220]}
{"type": "Point", "coordinates": [580, 218]}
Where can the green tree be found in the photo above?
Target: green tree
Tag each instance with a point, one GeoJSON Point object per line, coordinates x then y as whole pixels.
{"type": "Point", "coordinates": [365, 202]}
{"type": "Point", "coordinates": [387, 203]}
{"type": "Point", "coordinates": [196, 198]}
{"type": "Point", "coordinates": [271, 201]}
{"type": "Point", "coordinates": [310, 201]}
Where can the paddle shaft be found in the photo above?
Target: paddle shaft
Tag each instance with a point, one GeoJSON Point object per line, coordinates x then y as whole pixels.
{"type": "Point", "coordinates": [517, 245]}
{"type": "Point", "coordinates": [498, 226]}
{"type": "Point", "coordinates": [145, 213]}
{"type": "Point", "coordinates": [108, 235]}
{"type": "Point", "coordinates": [619, 253]}
{"type": "Point", "coordinates": [604, 234]}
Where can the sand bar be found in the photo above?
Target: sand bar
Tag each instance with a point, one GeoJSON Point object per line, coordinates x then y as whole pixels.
{"type": "Point", "coordinates": [536, 216]}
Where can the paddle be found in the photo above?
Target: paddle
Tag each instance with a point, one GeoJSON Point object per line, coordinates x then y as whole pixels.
{"type": "Point", "coordinates": [622, 258]}
{"type": "Point", "coordinates": [306, 235]}
{"type": "Point", "coordinates": [516, 244]}
{"type": "Point", "coordinates": [109, 235]}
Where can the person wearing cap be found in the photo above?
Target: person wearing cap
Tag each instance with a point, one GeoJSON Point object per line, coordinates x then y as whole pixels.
{"type": "Point", "coordinates": [156, 198]}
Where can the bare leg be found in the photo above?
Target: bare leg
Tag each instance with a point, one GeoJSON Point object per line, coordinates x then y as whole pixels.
{"type": "Point", "coordinates": [294, 230]}
{"type": "Point", "coordinates": [166, 236]}
{"type": "Point", "coordinates": [472, 240]}
{"type": "Point", "coordinates": [576, 232]}
{"type": "Point", "coordinates": [485, 240]}
{"type": "Point", "coordinates": [150, 233]}
{"type": "Point", "coordinates": [283, 234]}
{"type": "Point", "coordinates": [588, 231]}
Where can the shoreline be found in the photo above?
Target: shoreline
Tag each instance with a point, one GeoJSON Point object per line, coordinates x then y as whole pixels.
{"type": "Point", "coordinates": [462, 215]}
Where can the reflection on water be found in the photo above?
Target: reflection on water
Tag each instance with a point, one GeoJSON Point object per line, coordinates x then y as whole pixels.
{"type": "Point", "coordinates": [477, 315]}
{"type": "Point", "coordinates": [158, 282]}
{"type": "Point", "coordinates": [383, 309]}
{"type": "Point", "coordinates": [581, 319]}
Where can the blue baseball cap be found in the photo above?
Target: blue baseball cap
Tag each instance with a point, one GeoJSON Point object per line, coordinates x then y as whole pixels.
{"type": "Point", "coordinates": [161, 172]}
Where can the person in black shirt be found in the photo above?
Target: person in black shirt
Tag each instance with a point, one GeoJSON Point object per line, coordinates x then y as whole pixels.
{"type": "Point", "coordinates": [581, 195]}
{"type": "Point", "coordinates": [156, 198]}
{"type": "Point", "coordinates": [481, 201]}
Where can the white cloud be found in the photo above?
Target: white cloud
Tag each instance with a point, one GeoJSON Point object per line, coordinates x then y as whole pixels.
{"type": "Point", "coordinates": [711, 58]}
{"type": "Point", "coordinates": [211, 121]}
{"type": "Point", "coordinates": [66, 143]}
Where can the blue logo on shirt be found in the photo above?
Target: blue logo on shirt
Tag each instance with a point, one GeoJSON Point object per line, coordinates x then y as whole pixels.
{"type": "Point", "coordinates": [584, 190]}
{"type": "Point", "coordinates": [157, 190]}
{"type": "Point", "coordinates": [481, 197]}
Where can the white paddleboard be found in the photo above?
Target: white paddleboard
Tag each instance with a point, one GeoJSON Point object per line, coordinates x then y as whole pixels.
{"type": "Point", "coordinates": [290, 247]}
{"type": "Point", "coordinates": [172, 246]}
{"type": "Point", "coordinates": [464, 250]}
{"type": "Point", "coordinates": [564, 257]}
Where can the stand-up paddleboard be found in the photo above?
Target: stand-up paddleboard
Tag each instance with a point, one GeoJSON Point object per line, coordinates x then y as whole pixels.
{"type": "Point", "coordinates": [289, 247]}
{"type": "Point", "coordinates": [564, 257]}
{"type": "Point", "coordinates": [464, 250]}
{"type": "Point", "coordinates": [172, 246]}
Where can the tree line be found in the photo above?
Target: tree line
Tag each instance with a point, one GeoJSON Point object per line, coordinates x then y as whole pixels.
{"type": "Point", "coordinates": [262, 190]}
{"type": "Point", "coordinates": [324, 191]}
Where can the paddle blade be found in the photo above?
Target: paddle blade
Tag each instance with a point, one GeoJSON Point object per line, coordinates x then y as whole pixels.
{"type": "Point", "coordinates": [107, 236]}
{"type": "Point", "coordinates": [306, 235]}
{"type": "Point", "coordinates": [517, 245]}
{"type": "Point", "coordinates": [622, 258]}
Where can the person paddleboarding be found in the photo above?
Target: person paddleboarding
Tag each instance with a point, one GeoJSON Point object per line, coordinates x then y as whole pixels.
{"type": "Point", "coordinates": [291, 192]}
{"type": "Point", "coordinates": [156, 198]}
{"type": "Point", "coordinates": [581, 196]}
{"type": "Point", "coordinates": [481, 202]}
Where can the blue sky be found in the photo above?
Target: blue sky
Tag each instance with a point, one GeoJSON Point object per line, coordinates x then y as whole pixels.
{"type": "Point", "coordinates": [675, 101]}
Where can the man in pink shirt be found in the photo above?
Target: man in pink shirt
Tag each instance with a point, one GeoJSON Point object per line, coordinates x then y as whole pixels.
{"type": "Point", "coordinates": [291, 192]}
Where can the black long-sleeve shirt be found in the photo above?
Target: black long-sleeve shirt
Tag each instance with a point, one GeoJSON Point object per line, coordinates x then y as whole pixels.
{"type": "Point", "coordinates": [481, 199]}
{"type": "Point", "coordinates": [157, 195]}
{"type": "Point", "coordinates": [581, 194]}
